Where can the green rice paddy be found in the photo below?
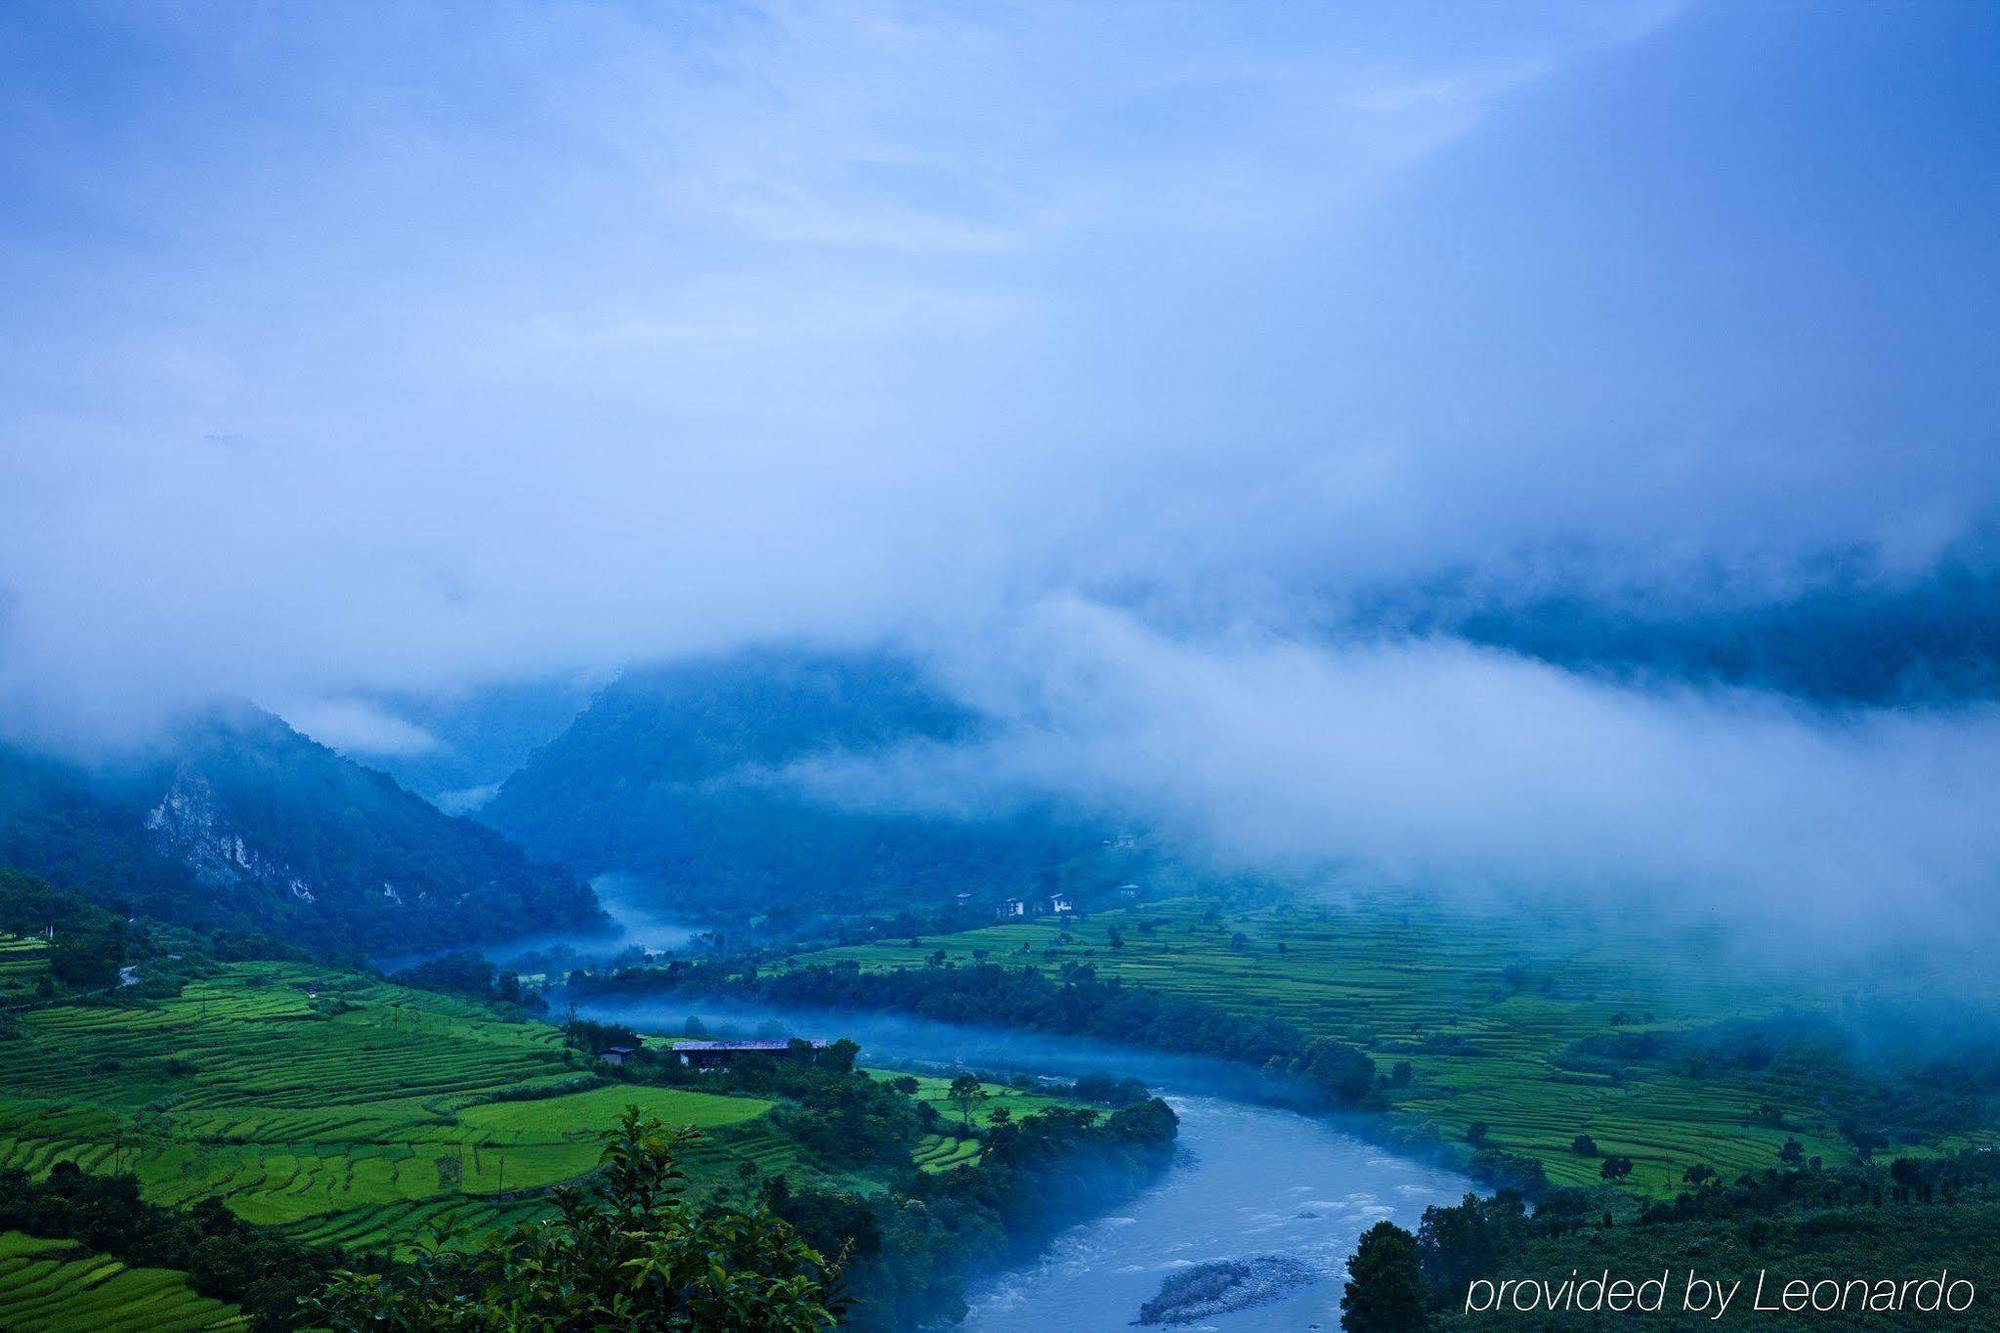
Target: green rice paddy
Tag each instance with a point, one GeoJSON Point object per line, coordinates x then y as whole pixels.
{"type": "Point", "coordinates": [1478, 1005]}
{"type": "Point", "coordinates": [23, 963]}
{"type": "Point", "coordinates": [993, 1097]}
{"type": "Point", "coordinates": [333, 1107]}
{"type": "Point", "coordinates": [942, 1152]}
{"type": "Point", "coordinates": [60, 1285]}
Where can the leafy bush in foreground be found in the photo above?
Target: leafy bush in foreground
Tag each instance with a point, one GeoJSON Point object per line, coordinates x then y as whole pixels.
{"type": "Point", "coordinates": [628, 1254]}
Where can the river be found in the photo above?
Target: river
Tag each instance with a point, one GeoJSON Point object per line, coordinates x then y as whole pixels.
{"type": "Point", "coordinates": [1247, 1180]}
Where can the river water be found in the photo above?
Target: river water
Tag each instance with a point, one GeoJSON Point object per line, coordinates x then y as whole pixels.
{"type": "Point", "coordinates": [1247, 1180]}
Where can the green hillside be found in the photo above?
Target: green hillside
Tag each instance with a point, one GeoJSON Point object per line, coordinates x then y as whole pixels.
{"type": "Point", "coordinates": [23, 963]}
{"type": "Point", "coordinates": [322, 1107]}
{"type": "Point", "coordinates": [240, 823]}
{"type": "Point", "coordinates": [678, 776]}
{"type": "Point", "coordinates": [1503, 1021]}
{"type": "Point", "coordinates": [327, 1105]}
{"type": "Point", "coordinates": [57, 1285]}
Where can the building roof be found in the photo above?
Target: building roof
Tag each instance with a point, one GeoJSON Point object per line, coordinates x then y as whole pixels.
{"type": "Point", "coordinates": [760, 1045]}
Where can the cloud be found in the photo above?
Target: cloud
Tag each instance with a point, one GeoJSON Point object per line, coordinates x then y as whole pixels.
{"type": "Point", "coordinates": [483, 343]}
{"type": "Point", "coordinates": [1435, 765]}
{"type": "Point", "coordinates": [358, 727]}
{"type": "Point", "coordinates": [475, 343]}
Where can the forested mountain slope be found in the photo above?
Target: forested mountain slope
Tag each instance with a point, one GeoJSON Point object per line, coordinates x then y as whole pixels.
{"type": "Point", "coordinates": [241, 822]}
{"type": "Point", "coordinates": [679, 775]}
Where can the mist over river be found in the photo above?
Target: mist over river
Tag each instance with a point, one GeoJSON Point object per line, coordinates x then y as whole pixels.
{"type": "Point", "coordinates": [1247, 1181]}
{"type": "Point", "coordinates": [635, 923]}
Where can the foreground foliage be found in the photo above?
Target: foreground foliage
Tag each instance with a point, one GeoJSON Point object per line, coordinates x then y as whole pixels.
{"type": "Point", "coordinates": [1901, 1221]}
{"type": "Point", "coordinates": [628, 1252]}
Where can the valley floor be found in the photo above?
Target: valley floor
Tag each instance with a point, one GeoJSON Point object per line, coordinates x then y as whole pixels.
{"type": "Point", "coordinates": [1485, 1010]}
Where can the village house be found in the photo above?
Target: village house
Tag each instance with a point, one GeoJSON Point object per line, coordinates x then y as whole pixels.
{"type": "Point", "coordinates": [721, 1054]}
{"type": "Point", "coordinates": [617, 1055]}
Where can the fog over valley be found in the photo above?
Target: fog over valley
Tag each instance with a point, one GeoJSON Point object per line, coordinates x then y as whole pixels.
{"type": "Point", "coordinates": [1406, 455]}
{"type": "Point", "coordinates": [800, 664]}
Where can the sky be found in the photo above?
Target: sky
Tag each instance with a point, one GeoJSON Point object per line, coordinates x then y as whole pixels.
{"type": "Point", "coordinates": [1090, 352]}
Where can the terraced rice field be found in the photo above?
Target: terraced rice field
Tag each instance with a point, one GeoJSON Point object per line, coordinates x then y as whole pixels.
{"type": "Point", "coordinates": [994, 1097]}
{"type": "Point", "coordinates": [1433, 987]}
{"type": "Point", "coordinates": [59, 1285]}
{"type": "Point", "coordinates": [23, 962]}
{"type": "Point", "coordinates": [942, 1152]}
{"type": "Point", "coordinates": [336, 1108]}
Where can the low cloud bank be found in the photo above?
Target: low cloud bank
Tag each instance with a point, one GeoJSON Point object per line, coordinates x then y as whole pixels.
{"type": "Point", "coordinates": [1440, 764]}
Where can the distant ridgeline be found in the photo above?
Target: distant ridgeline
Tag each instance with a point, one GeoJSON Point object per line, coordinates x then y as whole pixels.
{"type": "Point", "coordinates": [1851, 637]}
{"type": "Point", "coordinates": [242, 823]}
{"type": "Point", "coordinates": [679, 775]}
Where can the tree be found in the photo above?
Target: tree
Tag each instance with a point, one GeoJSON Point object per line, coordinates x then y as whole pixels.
{"type": "Point", "coordinates": [1384, 1291]}
{"type": "Point", "coordinates": [1793, 1153]}
{"type": "Point", "coordinates": [1475, 1238]}
{"type": "Point", "coordinates": [1615, 1168]}
{"type": "Point", "coordinates": [629, 1253]}
{"type": "Point", "coordinates": [1583, 1146]}
{"type": "Point", "coordinates": [964, 1094]}
{"type": "Point", "coordinates": [1337, 1069]}
{"type": "Point", "coordinates": [839, 1055]}
{"type": "Point", "coordinates": [1477, 1132]}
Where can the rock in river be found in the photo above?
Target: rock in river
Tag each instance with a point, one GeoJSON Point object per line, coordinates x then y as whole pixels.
{"type": "Point", "coordinates": [1225, 1285]}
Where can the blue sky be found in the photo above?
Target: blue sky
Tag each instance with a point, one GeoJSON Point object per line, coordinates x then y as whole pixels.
{"type": "Point", "coordinates": [369, 349]}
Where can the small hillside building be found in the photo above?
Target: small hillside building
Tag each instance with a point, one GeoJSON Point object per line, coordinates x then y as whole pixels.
{"type": "Point", "coordinates": [722, 1054]}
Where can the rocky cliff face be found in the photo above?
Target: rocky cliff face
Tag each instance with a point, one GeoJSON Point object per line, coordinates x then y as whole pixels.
{"type": "Point", "coordinates": [247, 825]}
{"type": "Point", "coordinates": [190, 826]}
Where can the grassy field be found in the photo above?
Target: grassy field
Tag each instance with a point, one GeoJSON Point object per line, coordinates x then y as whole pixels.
{"type": "Point", "coordinates": [1477, 1005]}
{"type": "Point", "coordinates": [60, 1285]}
{"type": "Point", "coordinates": [334, 1107]}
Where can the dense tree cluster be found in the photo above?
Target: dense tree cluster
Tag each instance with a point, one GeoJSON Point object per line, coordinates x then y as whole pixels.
{"type": "Point", "coordinates": [471, 975]}
{"type": "Point", "coordinates": [1864, 1219]}
{"type": "Point", "coordinates": [87, 944]}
